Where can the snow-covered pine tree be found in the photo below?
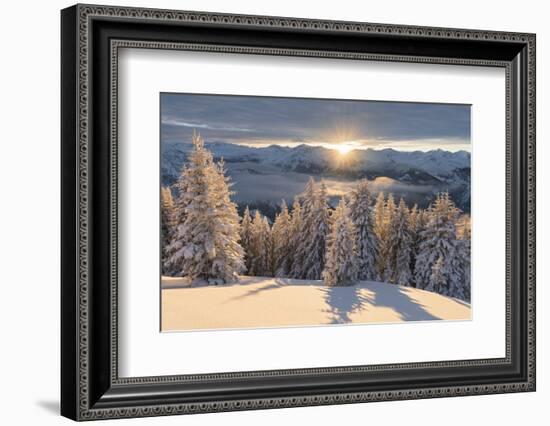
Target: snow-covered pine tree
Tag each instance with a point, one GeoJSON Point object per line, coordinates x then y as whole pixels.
{"type": "Point", "coordinates": [260, 246]}
{"type": "Point", "coordinates": [167, 211]}
{"type": "Point", "coordinates": [341, 267]}
{"type": "Point", "coordinates": [439, 240]}
{"type": "Point", "coordinates": [389, 211]}
{"type": "Point", "coordinates": [391, 243]}
{"type": "Point", "coordinates": [205, 244]}
{"type": "Point", "coordinates": [413, 221]}
{"type": "Point", "coordinates": [281, 233]}
{"type": "Point", "coordinates": [438, 281]}
{"type": "Point", "coordinates": [229, 258]}
{"type": "Point", "coordinates": [305, 202]}
{"type": "Point", "coordinates": [287, 261]}
{"type": "Point", "coordinates": [379, 227]}
{"type": "Point", "coordinates": [167, 224]}
{"type": "Point", "coordinates": [417, 223]}
{"type": "Point", "coordinates": [464, 226]}
{"type": "Point", "coordinates": [309, 260]}
{"type": "Point", "coordinates": [172, 256]}
{"type": "Point", "coordinates": [467, 263]}
{"type": "Point", "coordinates": [360, 208]}
{"type": "Point", "coordinates": [268, 249]}
{"type": "Point", "coordinates": [455, 274]}
{"type": "Point", "coordinates": [387, 250]}
{"type": "Point", "coordinates": [402, 246]}
{"type": "Point", "coordinates": [246, 236]}
{"type": "Point", "coordinates": [380, 233]}
{"type": "Point", "coordinates": [465, 253]}
{"type": "Point", "coordinates": [255, 245]}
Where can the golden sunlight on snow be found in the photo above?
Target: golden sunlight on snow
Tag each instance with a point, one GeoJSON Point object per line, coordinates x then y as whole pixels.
{"type": "Point", "coordinates": [281, 302]}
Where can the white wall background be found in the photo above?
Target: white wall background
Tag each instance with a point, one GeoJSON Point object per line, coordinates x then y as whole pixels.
{"type": "Point", "coordinates": [29, 211]}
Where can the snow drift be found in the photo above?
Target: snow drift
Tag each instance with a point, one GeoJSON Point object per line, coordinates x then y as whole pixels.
{"type": "Point", "coordinates": [257, 302]}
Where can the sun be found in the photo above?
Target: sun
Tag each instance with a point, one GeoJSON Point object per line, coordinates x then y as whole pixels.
{"type": "Point", "coordinates": [343, 149]}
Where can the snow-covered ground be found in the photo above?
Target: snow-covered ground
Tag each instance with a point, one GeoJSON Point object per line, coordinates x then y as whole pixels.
{"type": "Point", "coordinates": [277, 302]}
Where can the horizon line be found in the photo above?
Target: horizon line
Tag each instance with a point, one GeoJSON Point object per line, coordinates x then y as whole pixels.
{"type": "Point", "coordinates": [332, 147]}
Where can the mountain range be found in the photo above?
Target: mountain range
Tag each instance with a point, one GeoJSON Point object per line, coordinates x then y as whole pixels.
{"type": "Point", "coordinates": [263, 176]}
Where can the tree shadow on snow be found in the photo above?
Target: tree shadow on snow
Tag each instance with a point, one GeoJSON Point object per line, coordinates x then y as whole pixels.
{"type": "Point", "coordinates": [344, 301]}
{"type": "Point", "coordinates": [396, 297]}
{"type": "Point", "coordinates": [270, 286]}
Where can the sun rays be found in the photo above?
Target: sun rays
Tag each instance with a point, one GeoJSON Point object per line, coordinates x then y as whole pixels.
{"type": "Point", "coordinates": [344, 148]}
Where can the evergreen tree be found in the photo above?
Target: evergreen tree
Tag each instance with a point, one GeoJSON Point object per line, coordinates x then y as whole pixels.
{"type": "Point", "coordinates": [306, 200]}
{"type": "Point", "coordinates": [439, 241]}
{"type": "Point", "coordinates": [390, 211]}
{"type": "Point", "coordinates": [229, 258]}
{"type": "Point", "coordinates": [467, 263]}
{"type": "Point", "coordinates": [455, 275]}
{"type": "Point", "coordinates": [341, 266]}
{"type": "Point", "coordinates": [397, 246]}
{"type": "Point", "coordinates": [387, 250]}
{"type": "Point", "coordinates": [167, 224]}
{"type": "Point", "coordinates": [205, 244]}
{"type": "Point", "coordinates": [166, 212]}
{"type": "Point", "coordinates": [465, 253]}
{"type": "Point", "coordinates": [268, 249]}
{"type": "Point", "coordinates": [295, 226]}
{"type": "Point", "coordinates": [171, 258]}
{"type": "Point", "coordinates": [281, 232]}
{"type": "Point", "coordinates": [438, 281]}
{"type": "Point", "coordinates": [362, 216]}
{"type": "Point", "coordinates": [417, 223]}
{"type": "Point", "coordinates": [246, 236]}
{"type": "Point", "coordinates": [402, 246]}
{"type": "Point", "coordinates": [380, 233]}
{"type": "Point", "coordinates": [309, 259]}
{"type": "Point", "coordinates": [260, 247]}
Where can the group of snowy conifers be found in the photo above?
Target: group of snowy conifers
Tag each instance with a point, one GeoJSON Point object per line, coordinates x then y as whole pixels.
{"type": "Point", "coordinates": [204, 237]}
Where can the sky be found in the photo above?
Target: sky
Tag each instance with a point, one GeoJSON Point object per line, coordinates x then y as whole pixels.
{"type": "Point", "coordinates": [339, 124]}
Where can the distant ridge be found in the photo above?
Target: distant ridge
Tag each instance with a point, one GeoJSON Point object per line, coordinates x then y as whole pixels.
{"type": "Point", "coordinates": [267, 174]}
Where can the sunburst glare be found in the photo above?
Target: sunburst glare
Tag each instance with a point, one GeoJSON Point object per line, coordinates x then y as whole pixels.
{"type": "Point", "coordinates": [343, 148]}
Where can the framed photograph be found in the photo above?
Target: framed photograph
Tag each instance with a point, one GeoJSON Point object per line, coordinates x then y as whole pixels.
{"type": "Point", "coordinates": [263, 212]}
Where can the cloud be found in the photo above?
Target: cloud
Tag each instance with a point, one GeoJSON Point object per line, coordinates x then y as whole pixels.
{"type": "Point", "coordinates": [175, 122]}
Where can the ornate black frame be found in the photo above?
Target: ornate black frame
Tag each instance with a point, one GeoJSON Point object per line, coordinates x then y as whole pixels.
{"type": "Point", "coordinates": [91, 37]}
